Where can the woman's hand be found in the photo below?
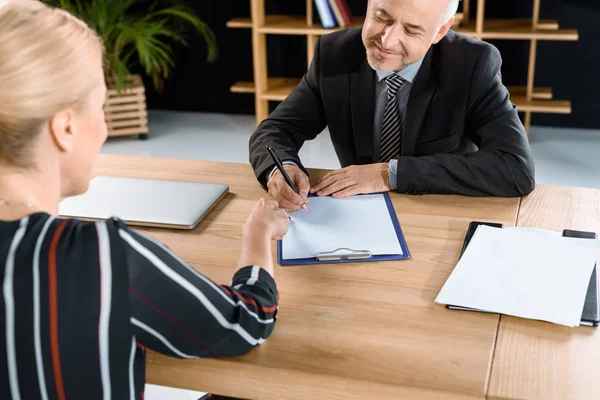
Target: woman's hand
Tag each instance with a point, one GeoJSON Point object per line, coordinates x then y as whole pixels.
{"type": "Point", "coordinates": [266, 215]}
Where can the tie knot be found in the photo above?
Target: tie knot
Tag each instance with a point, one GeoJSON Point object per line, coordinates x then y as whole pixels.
{"type": "Point", "coordinates": [394, 83]}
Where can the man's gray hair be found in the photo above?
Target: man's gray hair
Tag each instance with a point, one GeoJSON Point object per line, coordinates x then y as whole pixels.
{"type": "Point", "coordinates": [452, 8]}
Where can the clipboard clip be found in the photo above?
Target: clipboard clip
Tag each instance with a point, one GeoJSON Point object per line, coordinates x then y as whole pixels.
{"type": "Point", "coordinates": [343, 254]}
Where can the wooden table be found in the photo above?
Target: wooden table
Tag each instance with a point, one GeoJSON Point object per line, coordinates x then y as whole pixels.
{"type": "Point", "coordinates": [372, 330]}
{"type": "Point", "coordinates": [537, 360]}
{"type": "Point", "coordinates": [353, 331]}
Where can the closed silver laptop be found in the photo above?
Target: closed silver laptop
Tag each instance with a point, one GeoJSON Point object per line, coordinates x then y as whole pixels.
{"type": "Point", "coordinates": [145, 202]}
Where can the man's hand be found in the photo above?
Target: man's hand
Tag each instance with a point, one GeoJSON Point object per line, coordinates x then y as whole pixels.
{"type": "Point", "coordinates": [356, 179]}
{"type": "Point", "coordinates": [282, 192]}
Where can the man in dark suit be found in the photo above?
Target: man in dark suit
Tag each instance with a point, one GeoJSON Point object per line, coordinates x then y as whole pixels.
{"type": "Point", "coordinates": [411, 106]}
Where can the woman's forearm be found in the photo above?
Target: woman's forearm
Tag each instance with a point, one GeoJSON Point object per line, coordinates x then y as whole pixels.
{"type": "Point", "coordinates": [256, 248]}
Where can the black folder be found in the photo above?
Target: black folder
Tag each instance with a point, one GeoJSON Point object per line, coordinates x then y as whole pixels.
{"type": "Point", "coordinates": [591, 308]}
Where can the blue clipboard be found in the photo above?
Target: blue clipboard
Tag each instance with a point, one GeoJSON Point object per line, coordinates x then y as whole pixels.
{"type": "Point", "coordinates": [352, 255]}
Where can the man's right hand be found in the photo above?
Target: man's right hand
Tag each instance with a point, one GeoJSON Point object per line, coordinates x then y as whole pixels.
{"type": "Point", "coordinates": [282, 192]}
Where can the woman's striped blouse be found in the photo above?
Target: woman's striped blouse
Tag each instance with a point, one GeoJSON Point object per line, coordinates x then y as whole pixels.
{"type": "Point", "coordinates": [81, 301]}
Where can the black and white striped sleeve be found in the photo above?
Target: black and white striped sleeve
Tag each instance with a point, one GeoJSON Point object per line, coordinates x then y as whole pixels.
{"type": "Point", "coordinates": [178, 311]}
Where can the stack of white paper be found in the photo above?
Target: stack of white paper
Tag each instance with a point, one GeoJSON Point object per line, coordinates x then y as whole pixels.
{"type": "Point", "coordinates": [357, 223]}
{"type": "Point", "coordinates": [523, 272]}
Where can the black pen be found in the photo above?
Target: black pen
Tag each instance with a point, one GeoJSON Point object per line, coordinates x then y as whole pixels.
{"type": "Point", "coordinates": [279, 165]}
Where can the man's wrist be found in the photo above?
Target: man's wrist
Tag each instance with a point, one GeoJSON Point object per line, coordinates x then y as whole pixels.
{"type": "Point", "coordinates": [385, 175]}
{"type": "Point", "coordinates": [286, 162]}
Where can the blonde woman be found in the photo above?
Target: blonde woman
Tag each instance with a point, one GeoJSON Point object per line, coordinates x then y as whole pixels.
{"type": "Point", "coordinates": [81, 301]}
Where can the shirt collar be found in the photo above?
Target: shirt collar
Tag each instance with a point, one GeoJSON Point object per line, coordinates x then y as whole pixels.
{"type": "Point", "coordinates": [408, 73]}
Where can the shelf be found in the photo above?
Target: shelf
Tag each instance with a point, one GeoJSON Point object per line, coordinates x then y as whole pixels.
{"type": "Point", "coordinates": [541, 106]}
{"type": "Point", "coordinates": [295, 25]}
{"type": "Point", "coordinates": [240, 23]}
{"type": "Point", "coordinates": [520, 30]}
{"type": "Point", "coordinates": [490, 25]}
{"type": "Point", "coordinates": [243, 87]}
{"type": "Point", "coordinates": [279, 88]}
{"type": "Point", "coordinates": [547, 24]}
{"type": "Point", "coordinates": [515, 29]}
{"type": "Point", "coordinates": [539, 93]}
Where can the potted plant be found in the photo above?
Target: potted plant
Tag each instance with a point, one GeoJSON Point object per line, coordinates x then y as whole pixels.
{"type": "Point", "coordinates": [137, 35]}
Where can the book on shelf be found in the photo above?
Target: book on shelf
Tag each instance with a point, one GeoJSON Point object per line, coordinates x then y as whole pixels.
{"type": "Point", "coordinates": [334, 13]}
{"type": "Point", "coordinates": [345, 16]}
{"type": "Point", "coordinates": [337, 13]}
{"type": "Point", "coordinates": [326, 16]}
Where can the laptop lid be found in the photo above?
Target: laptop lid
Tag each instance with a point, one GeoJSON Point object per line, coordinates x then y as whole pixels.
{"type": "Point", "coordinates": [145, 202]}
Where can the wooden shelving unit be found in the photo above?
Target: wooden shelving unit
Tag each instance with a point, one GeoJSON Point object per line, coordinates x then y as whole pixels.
{"type": "Point", "coordinates": [529, 99]}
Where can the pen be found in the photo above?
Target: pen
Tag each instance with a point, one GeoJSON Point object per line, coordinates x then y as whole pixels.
{"type": "Point", "coordinates": [279, 165]}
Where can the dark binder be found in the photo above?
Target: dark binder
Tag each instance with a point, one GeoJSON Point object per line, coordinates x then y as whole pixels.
{"type": "Point", "coordinates": [591, 308]}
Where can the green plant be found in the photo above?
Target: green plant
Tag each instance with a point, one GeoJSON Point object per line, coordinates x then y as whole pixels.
{"type": "Point", "coordinates": [135, 34]}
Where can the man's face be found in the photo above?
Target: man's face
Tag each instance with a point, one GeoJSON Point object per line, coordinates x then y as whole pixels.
{"type": "Point", "coordinates": [397, 33]}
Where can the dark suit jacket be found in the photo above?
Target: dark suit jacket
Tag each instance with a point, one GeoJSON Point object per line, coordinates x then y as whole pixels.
{"type": "Point", "coordinates": [461, 134]}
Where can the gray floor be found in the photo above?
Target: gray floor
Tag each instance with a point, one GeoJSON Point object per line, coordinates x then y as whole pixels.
{"type": "Point", "coordinates": [566, 157]}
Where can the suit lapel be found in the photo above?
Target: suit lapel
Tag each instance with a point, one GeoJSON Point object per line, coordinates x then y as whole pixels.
{"type": "Point", "coordinates": [362, 105]}
{"type": "Point", "coordinates": [421, 93]}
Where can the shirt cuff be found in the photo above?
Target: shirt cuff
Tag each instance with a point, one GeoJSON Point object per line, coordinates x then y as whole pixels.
{"type": "Point", "coordinates": [275, 168]}
{"type": "Point", "coordinates": [393, 170]}
{"type": "Point", "coordinates": [254, 275]}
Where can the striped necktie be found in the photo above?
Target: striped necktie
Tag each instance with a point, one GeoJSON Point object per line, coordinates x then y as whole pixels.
{"type": "Point", "coordinates": [391, 128]}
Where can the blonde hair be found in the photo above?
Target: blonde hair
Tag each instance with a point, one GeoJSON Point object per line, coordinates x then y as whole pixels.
{"type": "Point", "coordinates": [45, 56]}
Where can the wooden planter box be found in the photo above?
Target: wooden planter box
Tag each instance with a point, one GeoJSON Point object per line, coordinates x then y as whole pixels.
{"type": "Point", "coordinates": [125, 112]}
